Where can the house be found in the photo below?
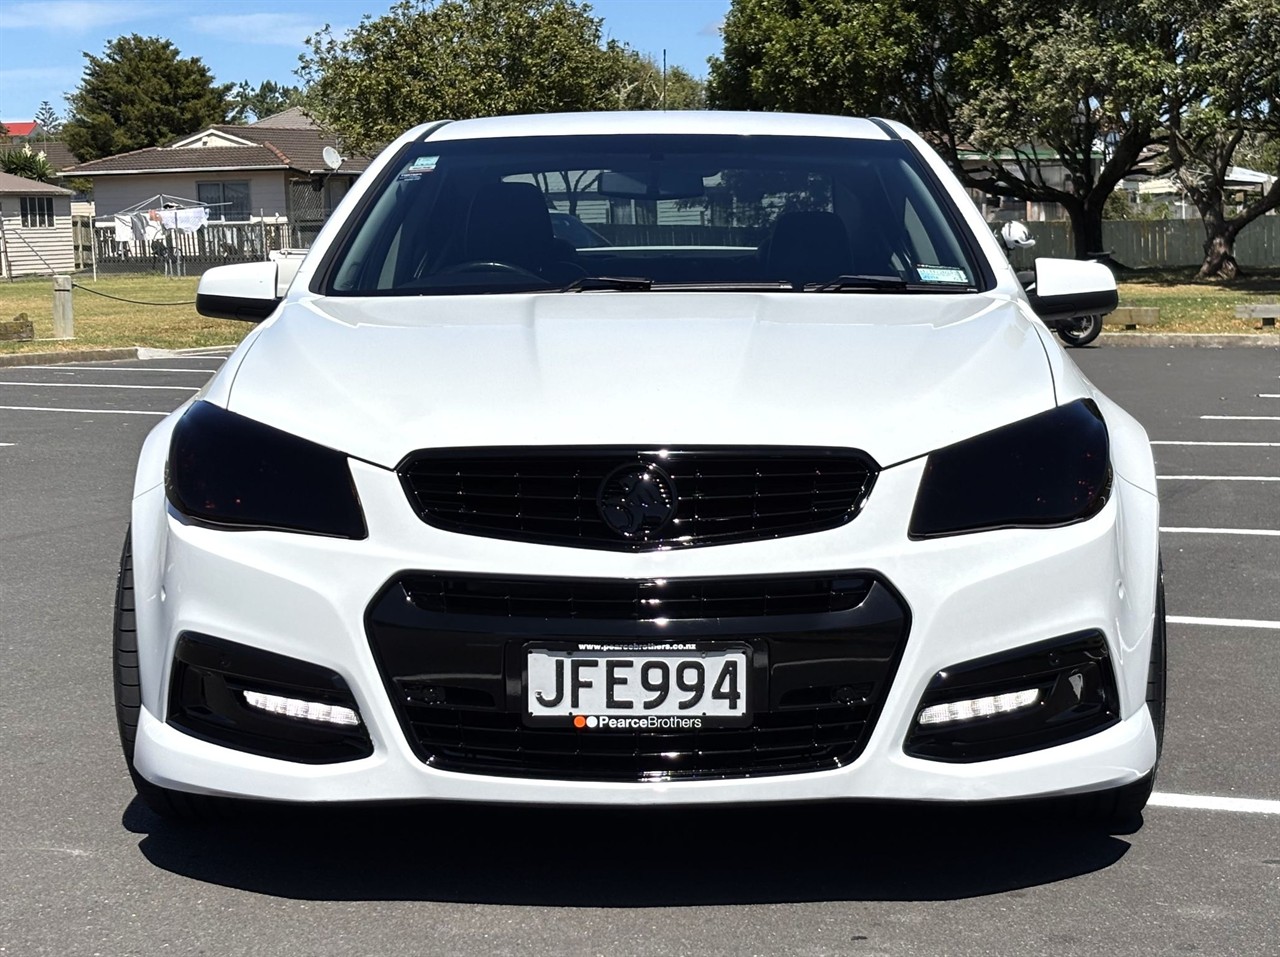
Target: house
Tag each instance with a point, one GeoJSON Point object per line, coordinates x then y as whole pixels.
{"type": "Point", "coordinates": [272, 170]}
{"type": "Point", "coordinates": [35, 228]}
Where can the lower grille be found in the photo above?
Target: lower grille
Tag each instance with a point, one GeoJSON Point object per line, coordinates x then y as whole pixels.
{"type": "Point", "coordinates": [455, 670]}
{"type": "Point", "coordinates": [807, 739]}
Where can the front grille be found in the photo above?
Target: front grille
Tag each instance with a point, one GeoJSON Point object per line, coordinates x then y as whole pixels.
{"type": "Point", "coordinates": [560, 495]}
{"type": "Point", "coordinates": [614, 599]}
{"type": "Point", "coordinates": [451, 649]}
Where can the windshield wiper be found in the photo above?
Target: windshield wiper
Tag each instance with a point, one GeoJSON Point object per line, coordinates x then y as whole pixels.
{"type": "Point", "coordinates": [885, 284]}
{"type": "Point", "coordinates": [624, 283]}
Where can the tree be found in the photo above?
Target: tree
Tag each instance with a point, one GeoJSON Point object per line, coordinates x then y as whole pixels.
{"type": "Point", "coordinates": [1032, 99]}
{"type": "Point", "coordinates": [27, 163]}
{"type": "Point", "coordinates": [141, 92]}
{"type": "Point", "coordinates": [48, 119]}
{"type": "Point", "coordinates": [1224, 100]}
{"type": "Point", "coordinates": [643, 86]}
{"type": "Point", "coordinates": [456, 59]}
{"type": "Point", "coordinates": [269, 97]}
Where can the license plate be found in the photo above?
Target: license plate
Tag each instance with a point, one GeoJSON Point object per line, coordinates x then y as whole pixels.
{"type": "Point", "coordinates": [620, 689]}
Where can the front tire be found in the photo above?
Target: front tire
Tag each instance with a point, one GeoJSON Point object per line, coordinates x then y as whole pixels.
{"type": "Point", "coordinates": [168, 803]}
{"type": "Point", "coordinates": [1123, 805]}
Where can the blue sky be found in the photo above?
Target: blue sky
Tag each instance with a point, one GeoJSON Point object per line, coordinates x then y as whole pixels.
{"type": "Point", "coordinates": [41, 43]}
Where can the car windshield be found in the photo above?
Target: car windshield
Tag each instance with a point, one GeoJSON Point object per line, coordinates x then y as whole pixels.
{"type": "Point", "coordinates": [654, 212]}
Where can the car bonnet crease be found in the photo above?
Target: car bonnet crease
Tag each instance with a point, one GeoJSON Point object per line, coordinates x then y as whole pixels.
{"type": "Point", "coordinates": [894, 376]}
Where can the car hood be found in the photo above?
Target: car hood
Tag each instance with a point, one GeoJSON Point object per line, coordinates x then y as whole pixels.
{"type": "Point", "coordinates": [893, 375]}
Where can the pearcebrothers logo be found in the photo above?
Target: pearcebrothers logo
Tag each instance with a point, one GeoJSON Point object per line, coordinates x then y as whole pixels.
{"type": "Point", "coordinates": [649, 722]}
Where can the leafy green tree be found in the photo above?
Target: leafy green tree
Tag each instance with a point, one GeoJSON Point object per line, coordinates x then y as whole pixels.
{"type": "Point", "coordinates": [267, 98]}
{"type": "Point", "coordinates": [643, 86]}
{"type": "Point", "coordinates": [1224, 104]}
{"type": "Point", "coordinates": [1033, 99]}
{"type": "Point", "coordinates": [27, 163]}
{"type": "Point", "coordinates": [48, 119]}
{"type": "Point", "coordinates": [141, 92]}
{"type": "Point", "coordinates": [457, 59]}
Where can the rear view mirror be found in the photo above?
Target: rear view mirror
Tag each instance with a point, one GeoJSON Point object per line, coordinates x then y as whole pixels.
{"type": "Point", "coordinates": [245, 291]}
{"type": "Point", "coordinates": [654, 183]}
{"type": "Point", "coordinates": [1068, 289]}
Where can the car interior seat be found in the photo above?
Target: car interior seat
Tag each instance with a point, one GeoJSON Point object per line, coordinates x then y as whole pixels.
{"type": "Point", "coordinates": [509, 223]}
{"type": "Point", "coordinates": [807, 247]}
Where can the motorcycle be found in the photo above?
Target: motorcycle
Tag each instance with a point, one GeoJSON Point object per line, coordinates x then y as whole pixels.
{"type": "Point", "coordinates": [1078, 331]}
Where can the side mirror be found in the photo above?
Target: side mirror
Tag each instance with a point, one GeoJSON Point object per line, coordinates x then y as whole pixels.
{"type": "Point", "coordinates": [1069, 288]}
{"type": "Point", "coordinates": [245, 291]}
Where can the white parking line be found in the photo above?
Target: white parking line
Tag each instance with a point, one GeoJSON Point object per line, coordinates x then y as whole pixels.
{"type": "Point", "coordinates": [102, 385]}
{"type": "Point", "coordinates": [1224, 622]}
{"type": "Point", "coordinates": [120, 369]}
{"type": "Point", "coordinates": [1251, 445]}
{"type": "Point", "coordinates": [1243, 418]}
{"type": "Point", "coordinates": [39, 408]}
{"type": "Point", "coordinates": [1269, 395]}
{"type": "Point", "coordinates": [1174, 530]}
{"type": "Point", "coordinates": [1207, 802]}
{"type": "Point", "coordinates": [1221, 478]}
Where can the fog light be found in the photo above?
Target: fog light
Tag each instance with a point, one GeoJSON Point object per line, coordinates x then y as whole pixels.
{"type": "Point", "coordinates": [979, 707]}
{"type": "Point", "coordinates": [306, 710]}
{"type": "Point", "coordinates": [1036, 696]}
{"type": "Point", "coordinates": [253, 700]}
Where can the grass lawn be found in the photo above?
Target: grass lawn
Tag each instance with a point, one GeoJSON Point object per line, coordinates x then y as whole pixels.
{"type": "Point", "coordinates": [105, 323]}
{"type": "Point", "coordinates": [1186, 305]}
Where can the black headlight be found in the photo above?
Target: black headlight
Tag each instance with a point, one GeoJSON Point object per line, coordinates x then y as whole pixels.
{"type": "Point", "coordinates": [1051, 469]}
{"type": "Point", "coordinates": [233, 472]}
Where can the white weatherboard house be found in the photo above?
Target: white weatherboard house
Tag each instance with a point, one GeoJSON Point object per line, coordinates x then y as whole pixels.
{"type": "Point", "coordinates": [35, 228]}
{"type": "Point", "coordinates": [272, 169]}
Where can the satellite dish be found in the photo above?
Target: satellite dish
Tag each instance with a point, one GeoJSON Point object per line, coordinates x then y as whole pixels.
{"type": "Point", "coordinates": [332, 158]}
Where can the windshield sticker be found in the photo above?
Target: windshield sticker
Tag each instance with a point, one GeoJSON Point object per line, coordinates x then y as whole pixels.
{"type": "Point", "coordinates": [941, 274]}
{"type": "Point", "coordinates": [423, 164]}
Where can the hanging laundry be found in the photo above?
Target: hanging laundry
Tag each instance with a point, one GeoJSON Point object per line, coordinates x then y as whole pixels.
{"type": "Point", "coordinates": [189, 220]}
{"type": "Point", "coordinates": [146, 228]}
{"type": "Point", "coordinates": [139, 222]}
{"type": "Point", "coordinates": [123, 228]}
{"type": "Point", "coordinates": [168, 218]}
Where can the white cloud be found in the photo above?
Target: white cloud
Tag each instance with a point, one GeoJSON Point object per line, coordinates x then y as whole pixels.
{"type": "Point", "coordinates": [275, 29]}
{"type": "Point", "coordinates": [712, 29]}
{"type": "Point", "coordinates": [72, 16]}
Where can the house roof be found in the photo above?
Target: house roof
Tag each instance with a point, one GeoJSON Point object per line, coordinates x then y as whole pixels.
{"type": "Point", "coordinates": [266, 147]}
{"type": "Point", "coordinates": [292, 118]}
{"type": "Point", "coordinates": [56, 152]}
{"type": "Point", "coordinates": [11, 185]}
{"type": "Point", "coordinates": [16, 128]}
{"type": "Point", "coordinates": [157, 159]}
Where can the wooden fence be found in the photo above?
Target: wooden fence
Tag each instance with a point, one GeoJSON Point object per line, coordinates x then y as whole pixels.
{"type": "Point", "coordinates": [1162, 242]}
{"type": "Point", "coordinates": [189, 254]}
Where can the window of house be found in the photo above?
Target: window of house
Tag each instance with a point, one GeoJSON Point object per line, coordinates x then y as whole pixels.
{"type": "Point", "coordinates": [228, 202]}
{"type": "Point", "coordinates": [37, 211]}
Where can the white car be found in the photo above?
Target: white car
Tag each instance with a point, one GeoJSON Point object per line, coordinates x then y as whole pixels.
{"type": "Point", "coordinates": [788, 495]}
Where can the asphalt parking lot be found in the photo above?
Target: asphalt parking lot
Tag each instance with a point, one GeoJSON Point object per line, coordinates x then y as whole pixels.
{"type": "Point", "coordinates": [86, 869]}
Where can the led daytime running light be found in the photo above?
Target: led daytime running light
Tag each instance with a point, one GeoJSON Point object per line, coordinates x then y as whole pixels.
{"type": "Point", "coordinates": [979, 707]}
{"type": "Point", "coordinates": [306, 710]}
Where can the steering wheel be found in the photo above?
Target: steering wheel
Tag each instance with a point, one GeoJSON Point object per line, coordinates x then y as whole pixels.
{"type": "Point", "coordinates": [481, 265]}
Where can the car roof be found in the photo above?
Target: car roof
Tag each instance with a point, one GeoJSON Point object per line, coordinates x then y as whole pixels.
{"type": "Point", "coordinates": [655, 121]}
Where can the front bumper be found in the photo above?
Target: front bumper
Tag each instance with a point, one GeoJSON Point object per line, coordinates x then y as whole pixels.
{"type": "Point", "coordinates": [968, 596]}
